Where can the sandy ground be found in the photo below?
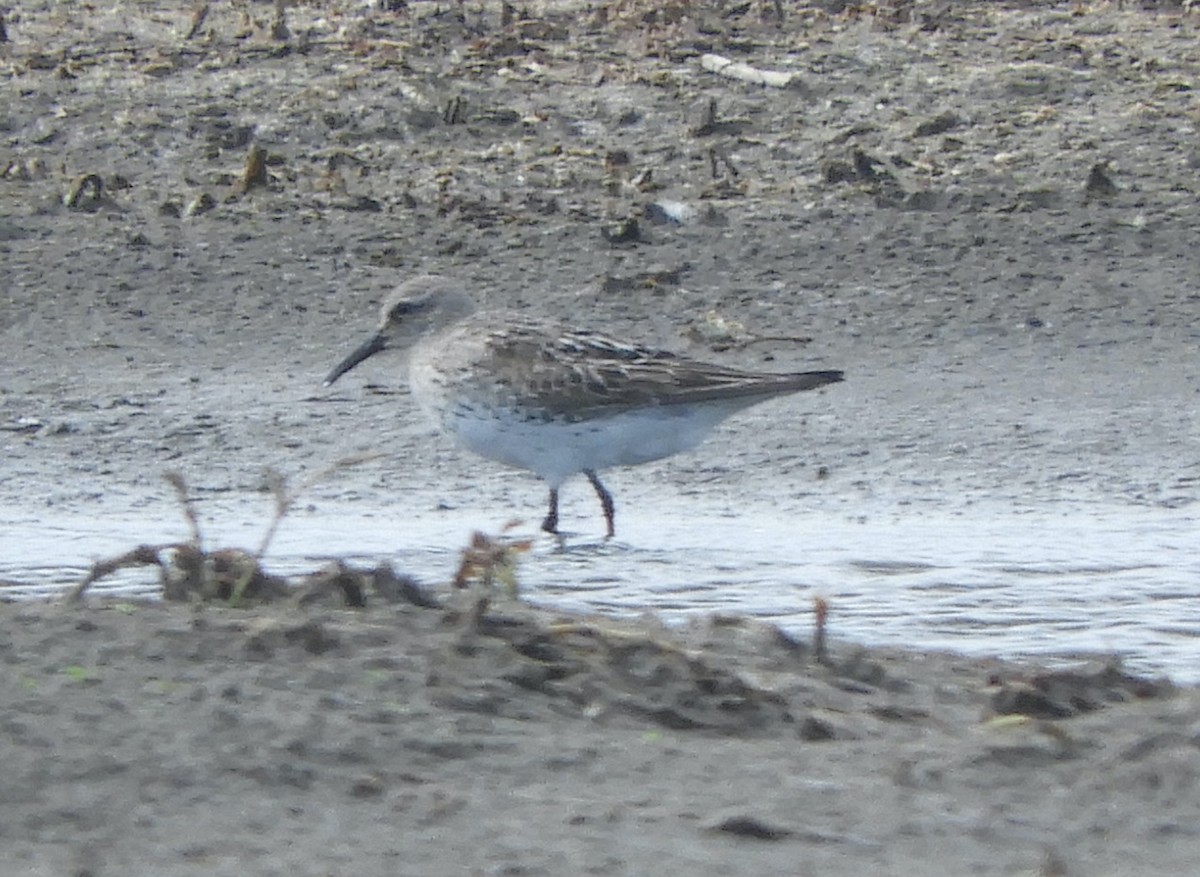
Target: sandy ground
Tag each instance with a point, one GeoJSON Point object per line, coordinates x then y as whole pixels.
{"type": "Point", "coordinates": [420, 741]}
{"type": "Point", "coordinates": [984, 212]}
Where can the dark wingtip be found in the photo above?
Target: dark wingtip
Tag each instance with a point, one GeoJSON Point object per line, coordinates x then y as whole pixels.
{"type": "Point", "coordinates": [820, 379]}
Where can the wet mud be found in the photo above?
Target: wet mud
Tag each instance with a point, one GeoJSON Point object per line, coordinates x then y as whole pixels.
{"type": "Point", "coordinates": [985, 213]}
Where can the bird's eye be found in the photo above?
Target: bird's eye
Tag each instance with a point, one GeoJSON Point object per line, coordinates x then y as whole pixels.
{"type": "Point", "coordinates": [402, 309]}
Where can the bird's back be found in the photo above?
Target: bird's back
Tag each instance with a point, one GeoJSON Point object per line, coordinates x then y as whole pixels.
{"type": "Point", "coordinates": [577, 375]}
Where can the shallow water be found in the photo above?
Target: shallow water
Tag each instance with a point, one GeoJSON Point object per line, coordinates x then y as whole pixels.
{"type": "Point", "coordinates": [996, 582]}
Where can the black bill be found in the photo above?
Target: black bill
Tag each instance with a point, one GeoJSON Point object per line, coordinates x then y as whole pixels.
{"type": "Point", "coordinates": [368, 348]}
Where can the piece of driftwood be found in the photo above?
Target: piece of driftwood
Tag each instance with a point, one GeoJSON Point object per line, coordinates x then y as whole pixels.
{"type": "Point", "coordinates": [723, 66]}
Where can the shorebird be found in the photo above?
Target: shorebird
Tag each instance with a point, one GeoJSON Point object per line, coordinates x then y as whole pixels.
{"type": "Point", "coordinates": [555, 400]}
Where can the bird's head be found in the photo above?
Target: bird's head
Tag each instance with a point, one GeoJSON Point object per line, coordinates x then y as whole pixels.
{"type": "Point", "coordinates": [415, 308]}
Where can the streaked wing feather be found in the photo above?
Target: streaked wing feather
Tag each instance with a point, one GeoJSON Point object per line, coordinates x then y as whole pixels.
{"type": "Point", "coordinates": [583, 375]}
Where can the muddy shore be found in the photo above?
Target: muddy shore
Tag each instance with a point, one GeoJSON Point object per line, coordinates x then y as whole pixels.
{"type": "Point", "coordinates": [985, 213]}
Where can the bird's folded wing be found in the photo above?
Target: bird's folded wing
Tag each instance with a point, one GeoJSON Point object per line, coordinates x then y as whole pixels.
{"type": "Point", "coordinates": [581, 375]}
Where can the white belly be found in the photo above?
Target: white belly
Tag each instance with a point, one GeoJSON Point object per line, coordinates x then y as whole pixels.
{"type": "Point", "coordinates": [557, 450]}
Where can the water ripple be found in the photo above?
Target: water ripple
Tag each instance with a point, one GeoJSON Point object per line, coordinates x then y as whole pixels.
{"type": "Point", "coordinates": [1118, 581]}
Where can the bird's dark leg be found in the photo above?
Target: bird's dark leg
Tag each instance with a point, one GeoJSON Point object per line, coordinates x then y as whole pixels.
{"type": "Point", "coordinates": [550, 522]}
{"type": "Point", "coordinates": [606, 500]}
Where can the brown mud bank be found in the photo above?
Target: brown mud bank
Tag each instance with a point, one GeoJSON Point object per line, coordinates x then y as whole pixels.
{"type": "Point", "coordinates": [484, 736]}
{"type": "Point", "coordinates": [985, 212]}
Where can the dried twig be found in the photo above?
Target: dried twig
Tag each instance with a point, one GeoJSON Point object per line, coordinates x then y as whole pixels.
{"type": "Point", "coordinates": [175, 478]}
{"type": "Point", "coordinates": [487, 559]}
{"type": "Point", "coordinates": [286, 497]}
{"type": "Point", "coordinates": [143, 555]}
{"type": "Point", "coordinates": [821, 611]}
